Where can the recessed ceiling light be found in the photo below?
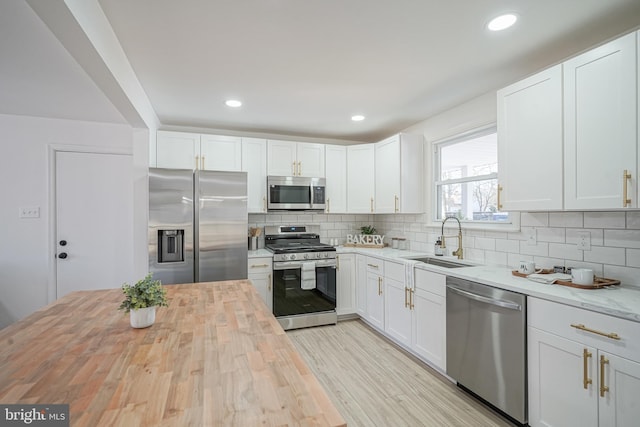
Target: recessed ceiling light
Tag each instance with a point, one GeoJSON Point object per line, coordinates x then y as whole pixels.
{"type": "Point", "coordinates": [502, 22]}
{"type": "Point", "coordinates": [233, 103]}
{"type": "Point", "coordinates": [357, 118]}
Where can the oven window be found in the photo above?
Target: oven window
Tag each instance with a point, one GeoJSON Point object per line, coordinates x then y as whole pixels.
{"type": "Point", "coordinates": [290, 299]}
{"type": "Point", "coordinates": [290, 194]}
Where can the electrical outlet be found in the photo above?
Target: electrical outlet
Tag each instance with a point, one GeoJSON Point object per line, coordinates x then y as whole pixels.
{"type": "Point", "coordinates": [32, 212]}
{"type": "Point", "coordinates": [584, 241]}
{"type": "Point", "coordinates": [532, 237]}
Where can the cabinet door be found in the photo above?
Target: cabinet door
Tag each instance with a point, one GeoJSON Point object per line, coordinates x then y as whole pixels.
{"type": "Point", "coordinates": [375, 300]}
{"type": "Point", "coordinates": [600, 126]}
{"type": "Point", "coordinates": [220, 153]}
{"type": "Point", "coordinates": [177, 150]}
{"type": "Point", "coordinates": [412, 172]}
{"type": "Point", "coordinates": [254, 163]}
{"type": "Point", "coordinates": [620, 405]}
{"type": "Point", "coordinates": [361, 285]}
{"type": "Point", "coordinates": [387, 175]}
{"type": "Point", "coordinates": [397, 312]}
{"type": "Point", "coordinates": [530, 142]}
{"type": "Point", "coordinates": [336, 174]}
{"type": "Point", "coordinates": [360, 178]}
{"type": "Point", "coordinates": [281, 158]}
{"type": "Point", "coordinates": [345, 284]}
{"type": "Point", "coordinates": [259, 273]}
{"type": "Point", "coordinates": [558, 396]}
{"type": "Point", "coordinates": [429, 323]}
{"type": "Point", "coordinates": [310, 159]}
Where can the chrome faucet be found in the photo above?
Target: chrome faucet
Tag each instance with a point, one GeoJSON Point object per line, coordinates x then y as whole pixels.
{"type": "Point", "coordinates": [457, 252]}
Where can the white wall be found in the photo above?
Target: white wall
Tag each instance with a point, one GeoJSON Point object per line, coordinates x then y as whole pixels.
{"type": "Point", "coordinates": [24, 251]}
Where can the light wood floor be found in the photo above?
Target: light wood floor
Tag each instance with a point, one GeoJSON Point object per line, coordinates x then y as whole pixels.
{"type": "Point", "coordinates": [372, 382]}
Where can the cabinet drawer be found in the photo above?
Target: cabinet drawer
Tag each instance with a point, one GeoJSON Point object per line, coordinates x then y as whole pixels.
{"type": "Point", "coordinates": [259, 265]}
{"type": "Point", "coordinates": [431, 282]}
{"type": "Point", "coordinates": [375, 265]}
{"type": "Point", "coordinates": [394, 270]}
{"type": "Point", "coordinates": [557, 318]}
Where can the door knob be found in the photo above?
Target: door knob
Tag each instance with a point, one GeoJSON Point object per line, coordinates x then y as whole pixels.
{"type": "Point", "coordinates": [63, 243]}
{"type": "Point", "coordinates": [63, 255]}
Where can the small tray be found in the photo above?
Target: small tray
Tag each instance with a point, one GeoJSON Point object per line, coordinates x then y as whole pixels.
{"type": "Point", "coordinates": [599, 282]}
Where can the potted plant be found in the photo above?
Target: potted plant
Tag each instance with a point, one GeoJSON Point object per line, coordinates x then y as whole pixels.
{"type": "Point", "coordinates": [142, 299]}
{"type": "Point", "coordinates": [367, 229]}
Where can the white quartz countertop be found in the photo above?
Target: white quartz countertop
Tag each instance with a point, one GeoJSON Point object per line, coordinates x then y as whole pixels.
{"type": "Point", "coordinates": [260, 253]}
{"type": "Point", "coordinates": [619, 301]}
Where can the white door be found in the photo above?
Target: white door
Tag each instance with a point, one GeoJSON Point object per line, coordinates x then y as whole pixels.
{"type": "Point", "coordinates": [429, 332]}
{"type": "Point", "coordinates": [397, 313]}
{"type": "Point", "coordinates": [336, 174]}
{"type": "Point", "coordinates": [220, 153]}
{"type": "Point", "coordinates": [310, 159]}
{"type": "Point", "coordinates": [94, 221]}
{"type": "Point", "coordinates": [177, 150]}
{"type": "Point", "coordinates": [375, 300]}
{"type": "Point", "coordinates": [281, 158]}
{"type": "Point", "coordinates": [360, 178]}
{"type": "Point", "coordinates": [600, 126]}
{"type": "Point", "coordinates": [345, 284]}
{"type": "Point", "coordinates": [620, 404]}
{"type": "Point", "coordinates": [387, 172]}
{"type": "Point", "coordinates": [254, 163]}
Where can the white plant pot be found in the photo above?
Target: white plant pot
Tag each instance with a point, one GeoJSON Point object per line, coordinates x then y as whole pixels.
{"type": "Point", "coordinates": [142, 317]}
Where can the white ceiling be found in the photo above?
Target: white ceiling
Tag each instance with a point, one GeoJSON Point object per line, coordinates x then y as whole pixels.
{"type": "Point", "coordinates": [304, 67]}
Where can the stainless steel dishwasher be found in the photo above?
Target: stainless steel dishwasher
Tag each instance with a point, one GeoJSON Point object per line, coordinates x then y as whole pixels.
{"type": "Point", "coordinates": [487, 344]}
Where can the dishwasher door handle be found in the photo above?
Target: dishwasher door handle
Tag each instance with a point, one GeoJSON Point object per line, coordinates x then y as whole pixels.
{"type": "Point", "coordinates": [498, 302]}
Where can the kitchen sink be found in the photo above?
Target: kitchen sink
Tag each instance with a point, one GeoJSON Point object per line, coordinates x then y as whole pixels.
{"type": "Point", "coordinates": [441, 262]}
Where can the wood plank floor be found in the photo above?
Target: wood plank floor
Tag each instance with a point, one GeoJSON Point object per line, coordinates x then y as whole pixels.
{"type": "Point", "coordinates": [373, 382]}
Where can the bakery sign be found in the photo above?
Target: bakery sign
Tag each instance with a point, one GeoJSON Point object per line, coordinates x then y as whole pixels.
{"type": "Point", "coordinates": [365, 240]}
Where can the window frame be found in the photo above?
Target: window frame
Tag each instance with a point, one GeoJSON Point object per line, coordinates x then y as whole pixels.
{"type": "Point", "coordinates": [512, 224]}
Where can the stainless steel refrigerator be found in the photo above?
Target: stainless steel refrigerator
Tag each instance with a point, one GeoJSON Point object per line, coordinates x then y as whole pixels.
{"type": "Point", "coordinates": [203, 241]}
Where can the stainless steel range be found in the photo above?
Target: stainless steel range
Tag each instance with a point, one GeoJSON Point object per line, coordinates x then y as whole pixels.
{"type": "Point", "coordinates": [304, 276]}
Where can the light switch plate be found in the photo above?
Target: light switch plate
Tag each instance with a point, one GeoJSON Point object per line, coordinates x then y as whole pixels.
{"type": "Point", "coordinates": [31, 212]}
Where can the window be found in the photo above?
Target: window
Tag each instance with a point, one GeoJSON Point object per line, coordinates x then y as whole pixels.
{"type": "Point", "coordinates": [466, 180]}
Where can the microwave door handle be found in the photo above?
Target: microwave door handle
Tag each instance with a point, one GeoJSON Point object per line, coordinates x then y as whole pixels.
{"type": "Point", "coordinates": [311, 201]}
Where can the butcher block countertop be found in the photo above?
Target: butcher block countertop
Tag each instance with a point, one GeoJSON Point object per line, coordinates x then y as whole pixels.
{"type": "Point", "coordinates": [215, 357]}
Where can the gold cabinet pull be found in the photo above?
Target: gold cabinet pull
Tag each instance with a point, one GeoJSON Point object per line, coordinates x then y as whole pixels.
{"type": "Point", "coordinates": [411, 291]}
{"type": "Point", "coordinates": [197, 158]}
{"type": "Point", "coordinates": [499, 203]}
{"type": "Point", "coordinates": [611, 335]}
{"type": "Point", "coordinates": [372, 204]}
{"type": "Point", "coordinates": [396, 205]}
{"type": "Point", "coordinates": [259, 265]}
{"type": "Point", "coordinates": [299, 168]}
{"type": "Point", "coordinates": [406, 297]}
{"type": "Point", "coordinates": [293, 168]}
{"type": "Point", "coordinates": [264, 202]}
{"type": "Point", "coordinates": [269, 284]}
{"type": "Point", "coordinates": [337, 262]}
{"type": "Point", "coordinates": [202, 162]}
{"type": "Point", "coordinates": [586, 354]}
{"type": "Point", "coordinates": [379, 285]}
{"type": "Point", "coordinates": [603, 388]}
{"type": "Point", "coordinates": [372, 265]}
{"type": "Point", "coordinates": [626, 176]}
{"type": "Point", "coordinates": [328, 205]}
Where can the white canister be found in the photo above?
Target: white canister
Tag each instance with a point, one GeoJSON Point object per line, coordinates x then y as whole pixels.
{"type": "Point", "coordinates": [402, 244]}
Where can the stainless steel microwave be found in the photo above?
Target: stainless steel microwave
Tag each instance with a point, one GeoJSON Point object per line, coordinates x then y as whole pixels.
{"type": "Point", "coordinates": [295, 193]}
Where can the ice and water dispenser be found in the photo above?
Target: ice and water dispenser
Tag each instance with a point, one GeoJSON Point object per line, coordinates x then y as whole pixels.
{"type": "Point", "coordinates": [170, 246]}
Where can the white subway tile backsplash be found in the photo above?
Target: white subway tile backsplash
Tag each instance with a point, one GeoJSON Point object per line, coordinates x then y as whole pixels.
{"type": "Point", "coordinates": [541, 249]}
{"type": "Point", "coordinates": [604, 255]}
{"type": "Point", "coordinates": [604, 220]}
{"type": "Point", "coordinates": [555, 235]}
{"type": "Point", "coordinates": [596, 235]}
{"type": "Point", "coordinates": [633, 257]}
{"type": "Point", "coordinates": [509, 246]}
{"type": "Point", "coordinates": [626, 275]}
{"type": "Point", "coordinates": [500, 259]}
{"type": "Point", "coordinates": [485, 243]}
{"type": "Point", "coordinates": [564, 251]}
{"type": "Point", "coordinates": [622, 238]}
{"type": "Point", "coordinates": [566, 219]}
{"type": "Point", "coordinates": [633, 220]}
{"type": "Point", "coordinates": [534, 219]}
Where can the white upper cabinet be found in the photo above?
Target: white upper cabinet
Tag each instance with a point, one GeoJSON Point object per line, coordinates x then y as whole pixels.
{"type": "Point", "coordinates": [254, 162]}
{"type": "Point", "coordinates": [336, 175]}
{"type": "Point", "coordinates": [530, 143]}
{"type": "Point", "coordinates": [220, 153]}
{"type": "Point", "coordinates": [398, 174]}
{"type": "Point", "coordinates": [360, 178]}
{"type": "Point", "coordinates": [177, 150]}
{"type": "Point", "coordinates": [600, 120]}
{"type": "Point", "coordinates": [182, 150]}
{"type": "Point", "coordinates": [287, 158]}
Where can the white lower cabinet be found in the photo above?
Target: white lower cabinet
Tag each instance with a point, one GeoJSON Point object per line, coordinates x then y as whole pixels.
{"type": "Point", "coordinates": [361, 285]}
{"type": "Point", "coordinates": [397, 306]}
{"type": "Point", "coordinates": [345, 284]}
{"type": "Point", "coordinates": [375, 293]}
{"type": "Point", "coordinates": [260, 274]}
{"type": "Point", "coordinates": [430, 318]}
{"type": "Point", "coordinates": [579, 373]}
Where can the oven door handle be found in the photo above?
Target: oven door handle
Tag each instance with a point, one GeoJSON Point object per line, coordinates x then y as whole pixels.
{"type": "Point", "coordinates": [480, 298]}
{"type": "Point", "coordinates": [293, 265]}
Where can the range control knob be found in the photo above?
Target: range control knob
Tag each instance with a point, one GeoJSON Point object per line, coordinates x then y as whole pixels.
{"type": "Point", "coordinates": [293, 256]}
{"type": "Point", "coordinates": [306, 256]}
